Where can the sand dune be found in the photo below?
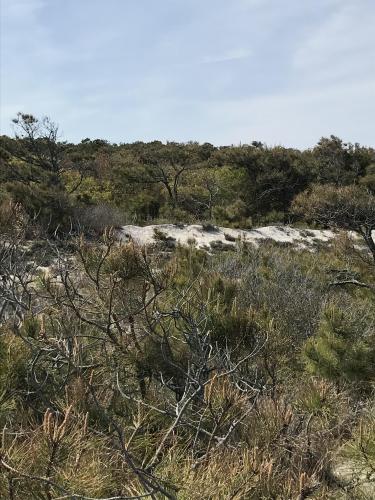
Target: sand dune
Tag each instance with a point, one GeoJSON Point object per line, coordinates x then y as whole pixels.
{"type": "Point", "coordinates": [204, 236]}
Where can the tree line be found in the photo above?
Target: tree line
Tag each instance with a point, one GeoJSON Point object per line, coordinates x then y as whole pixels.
{"type": "Point", "coordinates": [64, 184]}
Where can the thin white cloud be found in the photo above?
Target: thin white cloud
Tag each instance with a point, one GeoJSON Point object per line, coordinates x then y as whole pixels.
{"type": "Point", "coordinates": [16, 9]}
{"type": "Point", "coordinates": [298, 119]}
{"type": "Point", "coordinates": [342, 46]}
{"type": "Point", "coordinates": [228, 55]}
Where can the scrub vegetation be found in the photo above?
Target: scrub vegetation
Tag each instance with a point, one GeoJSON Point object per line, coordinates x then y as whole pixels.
{"type": "Point", "coordinates": [174, 372]}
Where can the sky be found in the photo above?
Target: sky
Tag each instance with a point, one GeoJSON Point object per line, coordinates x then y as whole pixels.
{"type": "Point", "coordinates": [221, 71]}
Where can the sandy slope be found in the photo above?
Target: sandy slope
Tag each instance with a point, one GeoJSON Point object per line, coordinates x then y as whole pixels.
{"type": "Point", "coordinates": [201, 238]}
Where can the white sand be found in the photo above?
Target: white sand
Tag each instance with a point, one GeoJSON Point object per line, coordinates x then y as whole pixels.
{"type": "Point", "coordinates": [195, 234]}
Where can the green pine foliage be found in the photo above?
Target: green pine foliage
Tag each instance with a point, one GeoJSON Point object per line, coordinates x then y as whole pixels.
{"type": "Point", "coordinates": [341, 349]}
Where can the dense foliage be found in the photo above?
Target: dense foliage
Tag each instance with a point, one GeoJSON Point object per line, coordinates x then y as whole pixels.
{"type": "Point", "coordinates": [62, 184]}
{"type": "Point", "coordinates": [128, 372]}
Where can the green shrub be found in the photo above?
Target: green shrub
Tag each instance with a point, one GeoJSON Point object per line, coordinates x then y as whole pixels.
{"type": "Point", "coordinates": [340, 350]}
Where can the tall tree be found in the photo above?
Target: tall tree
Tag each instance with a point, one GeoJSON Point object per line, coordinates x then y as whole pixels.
{"type": "Point", "coordinates": [164, 164]}
{"type": "Point", "coordinates": [37, 145]}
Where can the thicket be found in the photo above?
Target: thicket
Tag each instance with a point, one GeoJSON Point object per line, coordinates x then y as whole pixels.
{"type": "Point", "coordinates": [98, 183]}
{"type": "Point", "coordinates": [128, 372]}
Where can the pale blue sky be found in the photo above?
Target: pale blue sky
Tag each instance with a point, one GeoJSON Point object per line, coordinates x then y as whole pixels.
{"type": "Point", "coordinates": [224, 71]}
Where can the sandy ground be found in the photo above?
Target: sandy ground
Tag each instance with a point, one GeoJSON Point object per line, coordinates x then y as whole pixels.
{"type": "Point", "coordinates": [202, 238]}
{"type": "Point", "coordinates": [351, 473]}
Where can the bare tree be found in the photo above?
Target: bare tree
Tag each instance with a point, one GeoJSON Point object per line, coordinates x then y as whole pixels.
{"type": "Point", "coordinates": [38, 143]}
